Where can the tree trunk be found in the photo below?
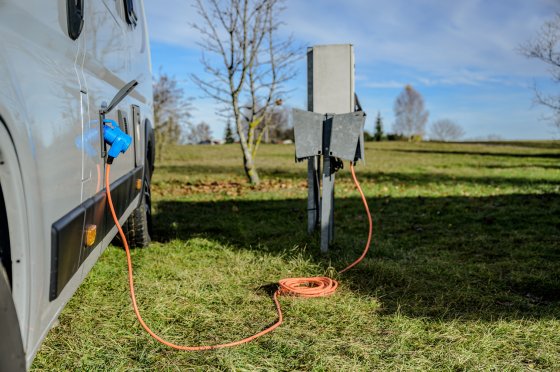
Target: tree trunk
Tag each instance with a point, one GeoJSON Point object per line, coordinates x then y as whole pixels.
{"type": "Point", "coordinates": [249, 166]}
{"type": "Point", "coordinates": [248, 162]}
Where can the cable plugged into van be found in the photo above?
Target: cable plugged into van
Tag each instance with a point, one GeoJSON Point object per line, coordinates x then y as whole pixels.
{"type": "Point", "coordinates": [113, 135]}
{"type": "Point", "coordinates": [116, 138]}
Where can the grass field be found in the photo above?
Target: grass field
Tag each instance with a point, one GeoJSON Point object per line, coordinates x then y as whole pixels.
{"type": "Point", "coordinates": [464, 273]}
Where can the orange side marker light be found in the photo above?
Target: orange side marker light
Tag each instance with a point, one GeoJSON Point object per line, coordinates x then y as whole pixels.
{"type": "Point", "coordinates": [90, 235]}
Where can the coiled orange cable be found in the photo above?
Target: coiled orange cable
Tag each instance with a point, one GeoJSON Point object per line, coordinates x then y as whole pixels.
{"type": "Point", "coordinates": [302, 287]}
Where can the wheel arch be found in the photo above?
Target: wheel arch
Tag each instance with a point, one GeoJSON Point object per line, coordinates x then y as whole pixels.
{"type": "Point", "coordinates": [11, 287]}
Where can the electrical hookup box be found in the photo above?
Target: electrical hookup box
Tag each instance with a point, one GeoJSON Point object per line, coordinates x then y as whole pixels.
{"type": "Point", "coordinates": [330, 79]}
{"type": "Point", "coordinates": [330, 131]}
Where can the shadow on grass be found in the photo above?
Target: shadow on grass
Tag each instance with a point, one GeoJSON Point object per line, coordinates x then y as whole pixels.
{"type": "Point", "coordinates": [482, 258]}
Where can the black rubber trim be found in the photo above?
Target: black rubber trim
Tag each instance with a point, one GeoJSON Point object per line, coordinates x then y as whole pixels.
{"type": "Point", "coordinates": [66, 237]}
{"type": "Point", "coordinates": [123, 192]}
{"type": "Point", "coordinates": [68, 250]}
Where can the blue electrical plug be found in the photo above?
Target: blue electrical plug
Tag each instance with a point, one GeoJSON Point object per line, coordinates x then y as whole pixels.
{"type": "Point", "coordinates": [114, 136]}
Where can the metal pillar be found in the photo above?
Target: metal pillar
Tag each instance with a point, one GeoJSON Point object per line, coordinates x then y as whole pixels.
{"type": "Point", "coordinates": [327, 210]}
{"type": "Point", "coordinates": [327, 192]}
{"type": "Point", "coordinates": [320, 197]}
{"type": "Point", "coordinates": [313, 171]}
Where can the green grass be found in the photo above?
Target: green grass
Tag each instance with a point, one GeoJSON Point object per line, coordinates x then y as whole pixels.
{"type": "Point", "coordinates": [464, 273]}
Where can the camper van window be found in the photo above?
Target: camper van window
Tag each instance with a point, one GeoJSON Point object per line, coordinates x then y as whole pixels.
{"type": "Point", "coordinates": [131, 17]}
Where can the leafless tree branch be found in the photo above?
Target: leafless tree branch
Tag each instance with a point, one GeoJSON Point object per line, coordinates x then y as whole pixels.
{"type": "Point", "coordinates": [545, 47]}
{"type": "Point", "coordinates": [446, 130]}
{"type": "Point", "coordinates": [410, 114]}
{"type": "Point", "coordinates": [172, 111]}
{"type": "Point", "coordinates": [254, 65]}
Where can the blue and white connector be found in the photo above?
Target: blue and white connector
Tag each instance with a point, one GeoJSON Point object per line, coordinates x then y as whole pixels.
{"type": "Point", "coordinates": [114, 136]}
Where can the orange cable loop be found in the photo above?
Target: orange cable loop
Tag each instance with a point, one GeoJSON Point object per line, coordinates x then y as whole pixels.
{"type": "Point", "coordinates": [302, 287]}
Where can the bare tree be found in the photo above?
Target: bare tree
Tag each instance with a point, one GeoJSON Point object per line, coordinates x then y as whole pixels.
{"type": "Point", "coordinates": [171, 112]}
{"type": "Point", "coordinates": [410, 114]}
{"type": "Point", "coordinates": [251, 65]}
{"type": "Point", "coordinates": [277, 126]}
{"type": "Point", "coordinates": [546, 48]}
{"type": "Point", "coordinates": [200, 133]}
{"type": "Point", "coordinates": [274, 126]}
{"type": "Point", "coordinates": [446, 130]}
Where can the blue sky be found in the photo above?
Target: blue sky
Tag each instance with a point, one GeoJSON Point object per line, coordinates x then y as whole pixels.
{"type": "Point", "coordinates": [460, 55]}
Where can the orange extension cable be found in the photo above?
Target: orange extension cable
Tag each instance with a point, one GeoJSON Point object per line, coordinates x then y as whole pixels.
{"type": "Point", "coordinates": [302, 287]}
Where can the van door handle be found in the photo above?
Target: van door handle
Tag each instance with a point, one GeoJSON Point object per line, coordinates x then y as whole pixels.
{"type": "Point", "coordinates": [75, 17]}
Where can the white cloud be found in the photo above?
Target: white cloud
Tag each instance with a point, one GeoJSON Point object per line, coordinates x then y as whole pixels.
{"type": "Point", "coordinates": [170, 22]}
{"type": "Point", "coordinates": [430, 43]}
{"type": "Point", "coordinates": [391, 84]}
{"type": "Point", "coordinates": [433, 36]}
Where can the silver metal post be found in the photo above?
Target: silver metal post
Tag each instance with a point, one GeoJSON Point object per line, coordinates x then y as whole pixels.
{"type": "Point", "coordinates": [327, 192]}
{"type": "Point", "coordinates": [313, 187]}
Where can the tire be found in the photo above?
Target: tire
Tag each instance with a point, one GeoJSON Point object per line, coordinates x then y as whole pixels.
{"type": "Point", "coordinates": [12, 356]}
{"type": "Point", "coordinates": [138, 227]}
{"type": "Point", "coordinates": [4, 275]}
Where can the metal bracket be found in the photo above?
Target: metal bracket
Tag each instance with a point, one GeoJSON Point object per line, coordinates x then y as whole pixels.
{"type": "Point", "coordinates": [335, 138]}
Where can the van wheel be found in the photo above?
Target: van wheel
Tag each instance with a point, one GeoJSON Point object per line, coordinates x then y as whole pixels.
{"type": "Point", "coordinates": [11, 346]}
{"type": "Point", "coordinates": [4, 274]}
{"type": "Point", "coordinates": [138, 227]}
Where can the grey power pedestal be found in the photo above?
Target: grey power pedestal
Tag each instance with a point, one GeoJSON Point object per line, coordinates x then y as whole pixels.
{"type": "Point", "coordinates": [332, 130]}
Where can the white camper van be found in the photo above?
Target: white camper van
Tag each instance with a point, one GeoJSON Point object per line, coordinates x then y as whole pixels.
{"type": "Point", "coordinates": [62, 64]}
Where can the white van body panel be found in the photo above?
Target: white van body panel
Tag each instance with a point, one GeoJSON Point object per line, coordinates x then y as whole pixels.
{"type": "Point", "coordinates": [52, 90]}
